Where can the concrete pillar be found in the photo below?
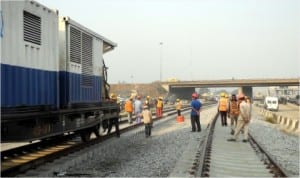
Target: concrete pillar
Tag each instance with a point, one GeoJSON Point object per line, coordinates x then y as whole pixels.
{"type": "Point", "coordinates": [248, 91]}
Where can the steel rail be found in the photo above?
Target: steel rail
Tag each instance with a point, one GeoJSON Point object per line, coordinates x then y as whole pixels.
{"type": "Point", "coordinates": [206, 163]}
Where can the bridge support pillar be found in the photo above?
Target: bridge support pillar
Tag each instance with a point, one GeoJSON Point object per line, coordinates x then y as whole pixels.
{"type": "Point", "coordinates": [248, 91]}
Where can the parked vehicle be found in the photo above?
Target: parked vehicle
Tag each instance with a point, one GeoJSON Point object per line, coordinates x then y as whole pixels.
{"type": "Point", "coordinates": [295, 100]}
{"type": "Point", "coordinates": [271, 103]}
{"type": "Point", "coordinates": [282, 100]}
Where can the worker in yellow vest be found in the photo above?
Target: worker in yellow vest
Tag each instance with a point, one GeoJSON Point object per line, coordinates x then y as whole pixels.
{"type": "Point", "coordinates": [178, 106]}
{"type": "Point", "coordinates": [147, 102]}
{"type": "Point", "coordinates": [159, 107]}
{"type": "Point", "coordinates": [222, 109]}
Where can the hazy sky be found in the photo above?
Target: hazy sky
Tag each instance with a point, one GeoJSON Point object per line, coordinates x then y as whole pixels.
{"type": "Point", "coordinates": [202, 39]}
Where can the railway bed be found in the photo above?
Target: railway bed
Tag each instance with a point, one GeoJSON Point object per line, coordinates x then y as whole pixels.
{"type": "Point", "coordinates": [238, 159]}
{"type": "Point", "coordinates": [14, 161]}
{"type": "Point", "coordinates": [200, 156]}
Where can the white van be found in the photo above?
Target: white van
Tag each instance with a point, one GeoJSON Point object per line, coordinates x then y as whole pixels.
{"type": "Point", "coordinates": [271, 103]}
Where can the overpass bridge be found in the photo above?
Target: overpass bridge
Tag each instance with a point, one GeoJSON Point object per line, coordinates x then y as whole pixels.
{"type": "Point", "coordinates": [185, 88]}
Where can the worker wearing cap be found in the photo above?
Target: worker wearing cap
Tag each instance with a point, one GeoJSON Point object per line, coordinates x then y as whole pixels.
{"type": "Point", "coordinates": [115, 120]}
{"type": "Point", "coordinates": [147, 118]}
{"type": "Point", "coordinates": [178, 106]}
{"type": "Point", "coordinates": [138, 107]}
{"type": "Point", "coordinates": [243, 119]}
{"type": "Point", "coordinates": [159, 107]}
{"type": "Point", "coordinates": [195, 113]}
{"type": "Point", "coordinates": [147, 102]}
{"type": "Point", "coordinates": [222, 109]}
{"type": "Point", "coordinates": [248, 100]}
{"type": "Point", "coordinates": [129, 109]}
{"type": "Point", "coordinates": [233, 112]}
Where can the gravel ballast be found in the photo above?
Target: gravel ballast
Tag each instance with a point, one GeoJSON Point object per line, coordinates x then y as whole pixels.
{"type": "Point", "coordinates": [283, 147]}
{"type": "Point", "coordinates": [133, 155]}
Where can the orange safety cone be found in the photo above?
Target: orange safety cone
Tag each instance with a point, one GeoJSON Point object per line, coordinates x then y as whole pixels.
{"type": "Point", "coordinates": [180, 119]}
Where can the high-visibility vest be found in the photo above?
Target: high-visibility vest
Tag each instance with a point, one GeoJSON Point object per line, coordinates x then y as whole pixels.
{"type": "Point", "coordinates": [234, 108]}
{"type": "Point", "coordinates": [223, 104]}
{"type": "Point", "coordinates": [178, 105]}
{"type": "Point", "coordinates": [128, 106]}
{"type": "Point", "coordinates": [159, 104]}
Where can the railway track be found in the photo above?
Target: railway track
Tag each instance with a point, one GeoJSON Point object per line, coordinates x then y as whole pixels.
{"type": "Point", "coordinates": [221, 158]}
{"type": "Point", "coordinates": [217, 156]}
{"type": "Point", "coordinates": [21, 159]}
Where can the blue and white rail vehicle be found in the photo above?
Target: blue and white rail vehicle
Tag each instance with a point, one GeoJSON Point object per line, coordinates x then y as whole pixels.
{"type": "Point", "coordinates": [53, 76]}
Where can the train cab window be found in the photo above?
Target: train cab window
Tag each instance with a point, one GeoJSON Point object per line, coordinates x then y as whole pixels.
{"type": "Point", "coordinates": [32, 28]}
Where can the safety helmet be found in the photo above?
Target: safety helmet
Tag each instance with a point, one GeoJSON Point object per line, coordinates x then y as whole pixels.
{"type": "Point", "coordinates": [160, 97]}
{"type": "Point", "coordinates": [177, 99]}
{"type": "Point", "coordinates": [113, 96]}
{"type": "Point", "coordinates": [226, 96]}
{"type": "Point", "coordinates": [194, 95]}
{"type": "Point", "coordinates": [222, 94]}
{"type": "Point", "coordinates": [148, 97]}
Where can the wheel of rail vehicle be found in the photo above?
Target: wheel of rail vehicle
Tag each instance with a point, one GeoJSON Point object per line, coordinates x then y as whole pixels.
{"type": "Point", "coordinates": [85, 135]}
{"type": "Point", "coordinates": [96, 130]}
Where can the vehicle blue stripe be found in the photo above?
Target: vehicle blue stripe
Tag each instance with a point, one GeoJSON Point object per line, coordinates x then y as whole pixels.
{"type": "Point", "coordinates": [30, 87]}
{"type": "Point", "coordinates": [27, 87]}
{"type": "Point", "coordinates": [71, 90]}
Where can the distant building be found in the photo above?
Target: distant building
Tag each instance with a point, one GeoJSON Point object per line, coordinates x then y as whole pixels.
{"type": "Point", "coordinates": [289, 92]}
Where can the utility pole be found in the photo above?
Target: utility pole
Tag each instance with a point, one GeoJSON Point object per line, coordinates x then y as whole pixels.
{"type": "Point", "coordinates": [161, 48]}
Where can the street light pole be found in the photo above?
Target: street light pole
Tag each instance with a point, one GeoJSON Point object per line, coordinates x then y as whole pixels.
{"type": "Point", "coordinates": [160, 74]}
{"type": "Point", "coordinates": [131, 79]}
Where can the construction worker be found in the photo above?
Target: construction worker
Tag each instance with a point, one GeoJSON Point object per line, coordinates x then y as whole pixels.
{"type": "Point", "coordinates": [159, 107]}
{"type": "Point", "coordinates": [105, 123]}
{"type": "Point", "coordinates": [195, 112]}
{"type": "Point", "coordinates": [243, 119]}
{"type": "Point", "coordinates": [138, 107]}
{"type": "Point", "coordinates": [147, 102]}
{"type": "Point", "coordinates": [222, 109]}
{"type": "Point", "coordinates": [129, 109]}
{"type": "Point", "coordinates": [178, 106]}
{"type": "Point", "coordinates": [233, 112]}
{"type": "Point", "coordinates": [248, 100]}
{"type": "Point", "coordinates": [147, 118]}
{"type": "Point", "coordinates": [114, 121]}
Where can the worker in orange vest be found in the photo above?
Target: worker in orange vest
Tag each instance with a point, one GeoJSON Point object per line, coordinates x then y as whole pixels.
{"type": "Point", "coordinates": [222, 109]}
{"type": "Point", "coordinates": [129, 109]}
{"type": "Point", "coordinates": [233, 112]}
{"type": "Point", "coordinates": [243, 119]}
